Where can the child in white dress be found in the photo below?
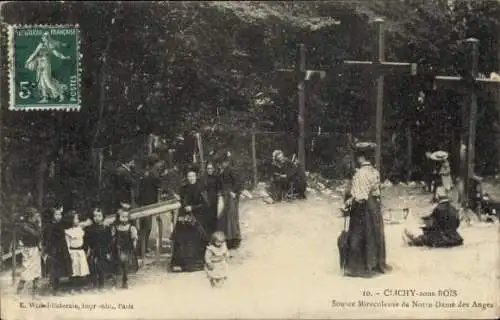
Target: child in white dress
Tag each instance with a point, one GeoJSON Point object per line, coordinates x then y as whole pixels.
{"type": "Point", "coordinates": [216, 256]}
{"type": "Point", "coordinates": [74, 238]}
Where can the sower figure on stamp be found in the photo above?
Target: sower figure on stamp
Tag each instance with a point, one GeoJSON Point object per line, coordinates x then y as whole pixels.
{"type": "Point", "coordinates": [39, 61]}
{"type": "Point", "coordinates": [31, 236]}
{"type": "Point", "coordinates": [98, 247]}
{"type": "Point", "coordinates": [366, 239]}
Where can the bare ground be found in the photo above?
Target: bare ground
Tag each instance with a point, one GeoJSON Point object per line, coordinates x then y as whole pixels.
{"type": "Point", "coordinates": [288, 268]}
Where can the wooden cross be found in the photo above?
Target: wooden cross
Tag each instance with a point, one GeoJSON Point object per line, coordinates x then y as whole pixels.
{"type": "Point", "coordinates": [378, 68]}
{"type": "Point", "coordinates": [472, 84]}
{"type": "Point", "coordinates": [302, 75]}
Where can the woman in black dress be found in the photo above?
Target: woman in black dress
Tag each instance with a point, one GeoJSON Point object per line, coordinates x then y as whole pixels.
{"type": "Point", "coordinates": [229, 219]}
{"type": "Point", "coordinates": [211, 185]}
{"type": "Point", "coordinates": [189, 234]}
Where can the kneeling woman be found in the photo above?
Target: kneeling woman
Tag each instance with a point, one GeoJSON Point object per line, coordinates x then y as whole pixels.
{"type": "Point", "coordinates": [441, 225]}
{"type": "Point", "coordinates": [189, 234]}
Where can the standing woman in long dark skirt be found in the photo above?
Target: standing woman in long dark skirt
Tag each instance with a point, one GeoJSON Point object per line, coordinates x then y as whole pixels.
{"type": "Point", "coordinates": [189, 236]}
{"type": "Point", "coordinates": [366, 254]}
{"type": "Point", "coordinates": [229, 218]}
{"type": "Point", "coordinates": [211, 184]}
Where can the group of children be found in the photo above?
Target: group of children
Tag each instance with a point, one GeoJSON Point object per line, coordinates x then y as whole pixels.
{"type": "Point", "coordinates": [67, 247]}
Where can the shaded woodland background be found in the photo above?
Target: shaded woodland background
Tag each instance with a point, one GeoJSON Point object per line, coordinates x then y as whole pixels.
{"type": "Point", "coordinates": [161, 68]}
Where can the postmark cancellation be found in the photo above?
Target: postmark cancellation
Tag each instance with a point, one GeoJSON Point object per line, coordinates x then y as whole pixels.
{"type": "Point", "coordinates": [44, 67]}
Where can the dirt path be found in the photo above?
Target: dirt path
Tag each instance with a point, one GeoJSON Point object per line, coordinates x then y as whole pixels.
{"type": "Point", "coordinates": [288, 267]}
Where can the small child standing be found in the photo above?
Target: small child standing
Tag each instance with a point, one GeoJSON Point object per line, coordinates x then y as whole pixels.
{"type": "Point", "coordinates": [98, 243]}
{"type": "Point", "coordinates": [124, 246]}
{"type": "Point", "coordinates": [55, 249]}
{"type": "Point", "coordinates": [74, 238]}
{"type": "Point", "coordinates": [216, 256]}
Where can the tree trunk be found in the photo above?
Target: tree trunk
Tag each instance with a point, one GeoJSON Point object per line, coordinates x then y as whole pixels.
{"type": "Point", "coordinates": [41, 179]}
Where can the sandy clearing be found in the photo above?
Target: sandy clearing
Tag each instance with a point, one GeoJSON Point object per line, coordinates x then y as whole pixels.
{"type": "Point", "coordinates": [288, 268]}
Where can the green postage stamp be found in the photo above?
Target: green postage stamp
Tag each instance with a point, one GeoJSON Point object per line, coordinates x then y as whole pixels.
{"type": "Point", "coordinates": [44, 67]}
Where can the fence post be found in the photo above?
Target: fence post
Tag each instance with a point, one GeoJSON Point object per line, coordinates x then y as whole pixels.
{"type": "Point", "coordinates": [14, 257]}
{"type": "Point", "coordinates": [159, 241]}
{"type": "Point", "coordinates": [254, 156]}
{"type": "Point", "coordinates": [410, 153]}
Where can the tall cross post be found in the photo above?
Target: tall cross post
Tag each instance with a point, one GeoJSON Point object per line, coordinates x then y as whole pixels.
{"type": "Point", "coordinates": [472, 84]}
{"type": "Point", "coordinates": [378, 68]}
{"type": "Point", "coordinates": [301, 76]}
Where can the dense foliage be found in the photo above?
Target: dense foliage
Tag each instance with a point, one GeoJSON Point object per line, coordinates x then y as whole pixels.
{"type": "Point", "coordinates": [164, 67]}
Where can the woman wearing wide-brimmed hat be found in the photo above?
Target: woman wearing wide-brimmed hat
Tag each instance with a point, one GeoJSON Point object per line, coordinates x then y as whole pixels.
{"type": "Point", "coordinates": [365, 254]}
{"type": "Point", "coordinates": [443, 177]}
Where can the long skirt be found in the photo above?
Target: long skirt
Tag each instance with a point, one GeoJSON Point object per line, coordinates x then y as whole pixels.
{"type": "Point", "coordinates": [32, 264]}
{"type": "Point", "coordinates": [211, 220]}
{"type": "Point", "coordinates": [366, 240]}
{"type": "Point", "coordinates": [229, 221]}
{"type": "Point", "coordinates": [447, 182]}
{"type": "Point", "coordinates": [188, 250]}
{"type": "Point", "coordinates": [436, 238]}
{"type": "Point", "coordinates": [59, 264]}
{"type": "Point", "coordinates": [79, 263]}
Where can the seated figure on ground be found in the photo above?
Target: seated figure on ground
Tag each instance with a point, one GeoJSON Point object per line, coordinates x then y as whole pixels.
{"type": "Point", "coordinates": [287, 177]}
{"type": "Point", "coordinates": [441, 225]}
